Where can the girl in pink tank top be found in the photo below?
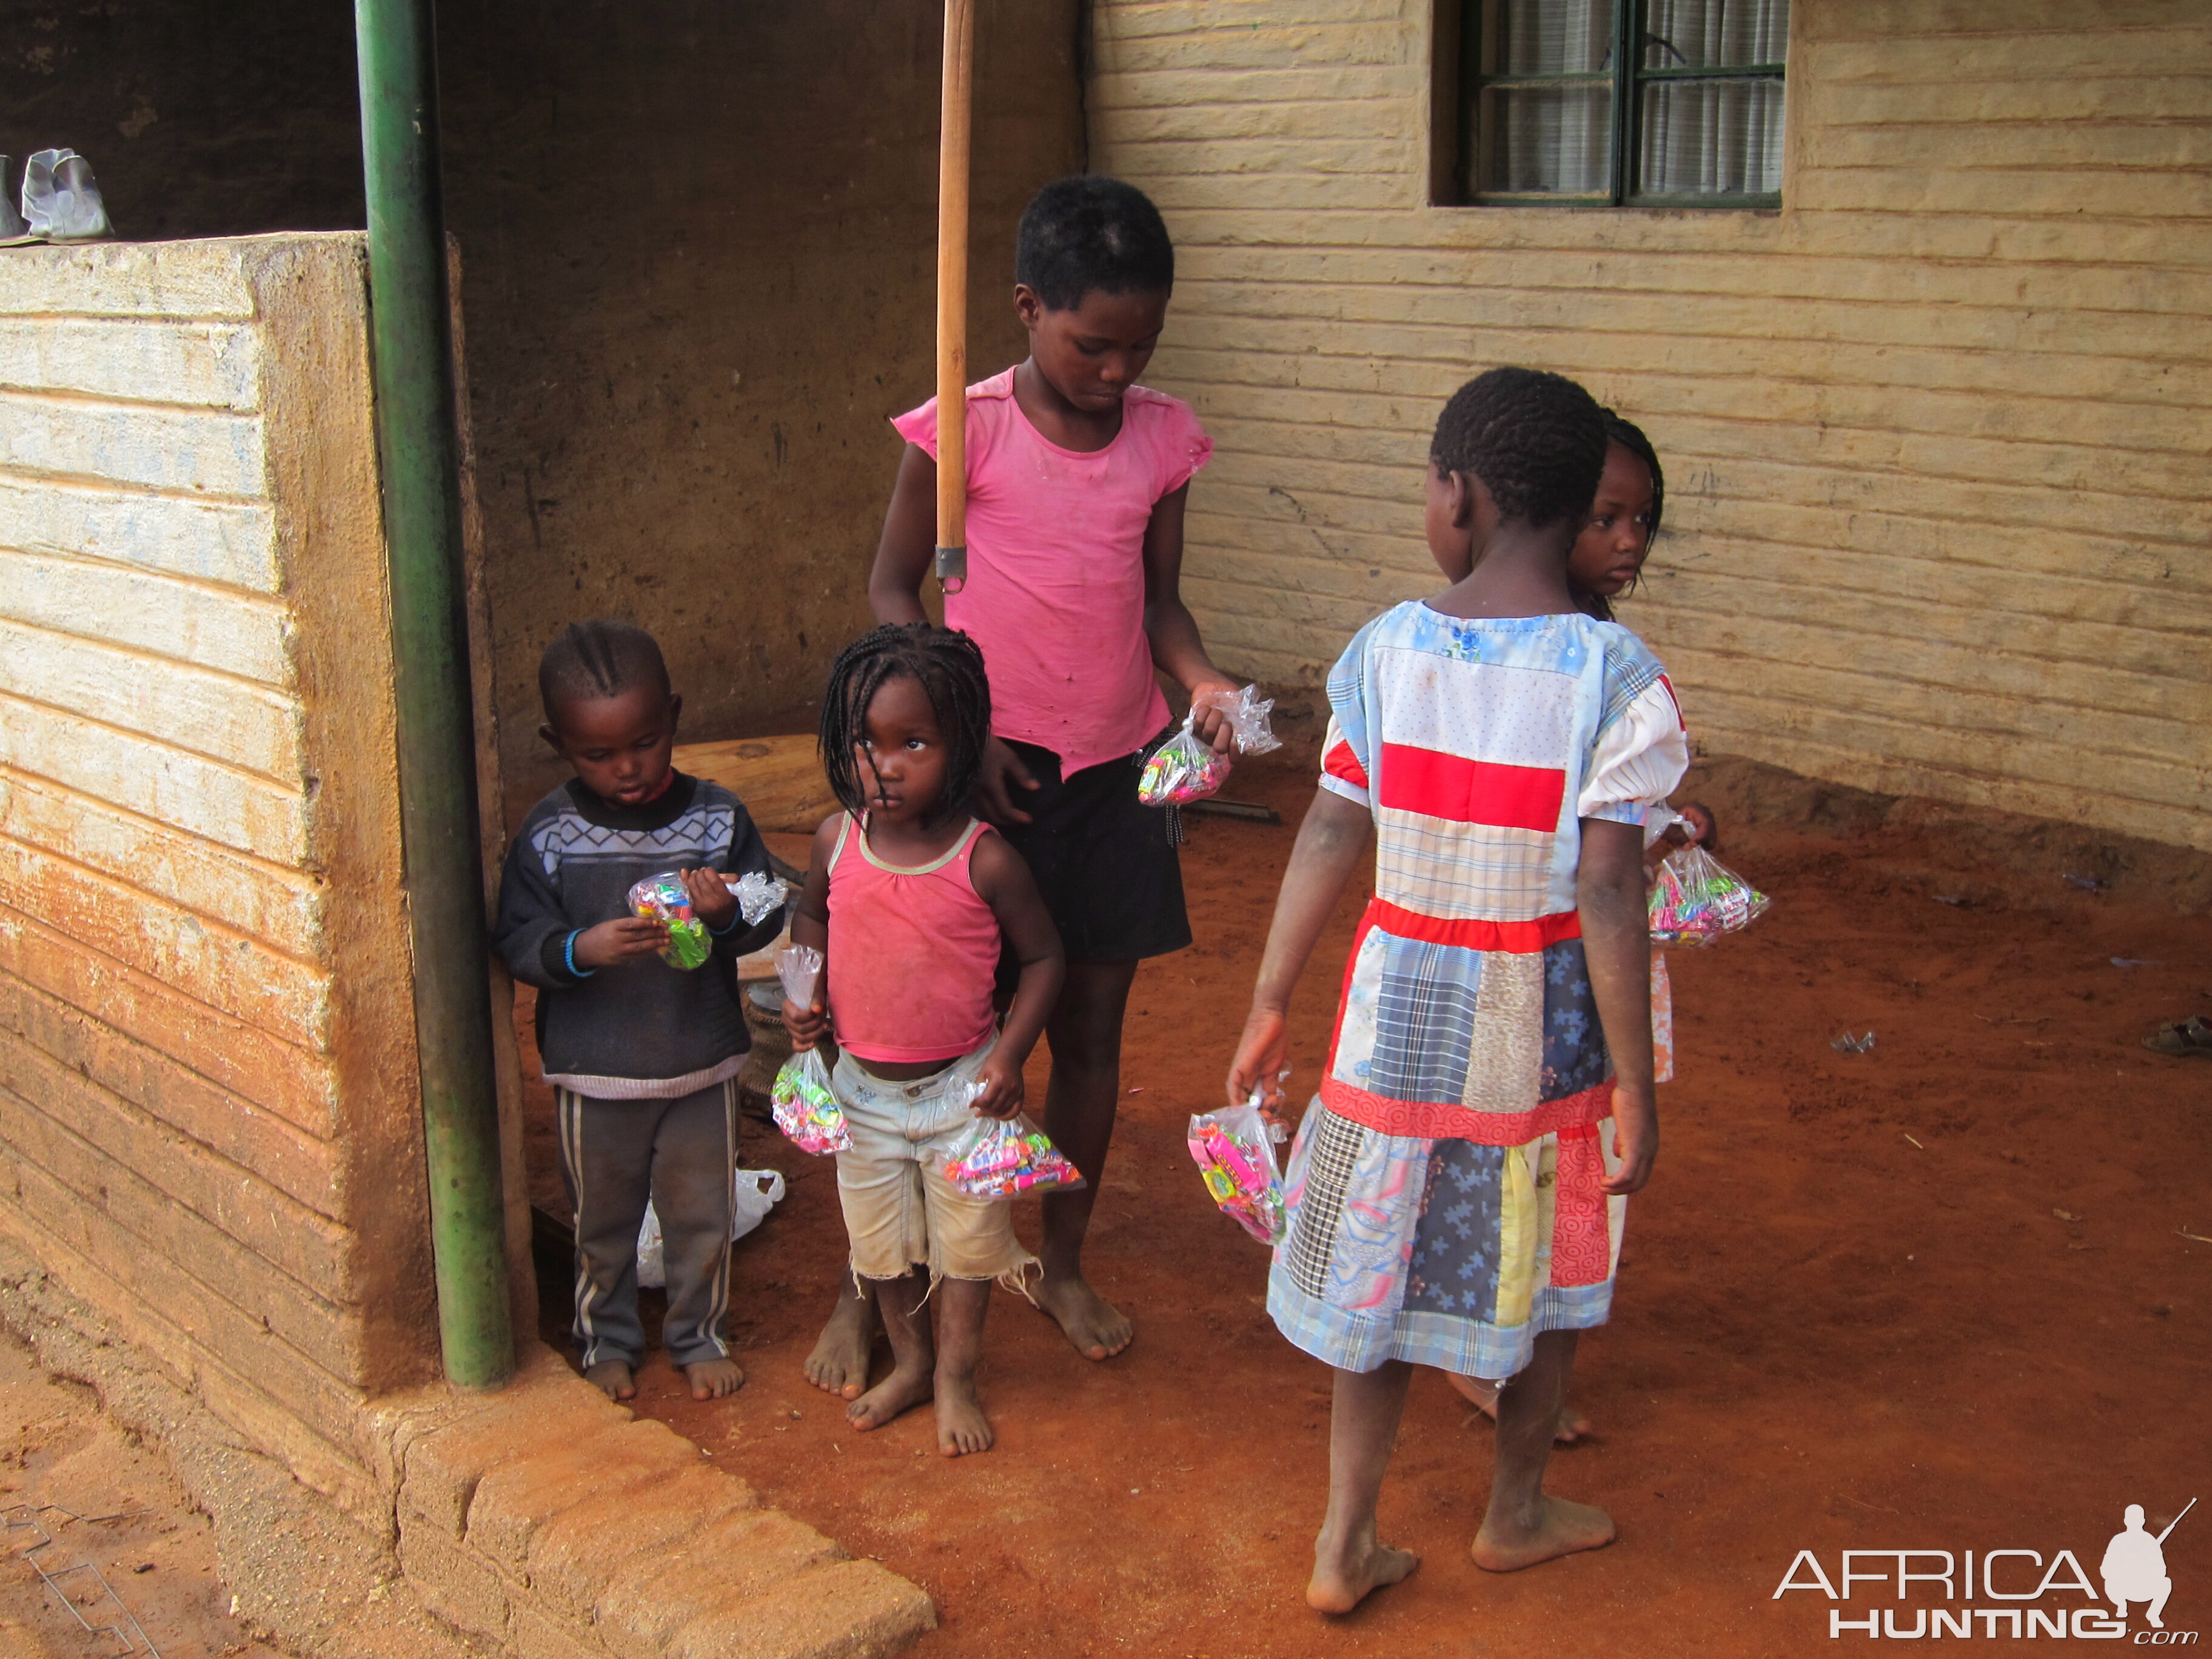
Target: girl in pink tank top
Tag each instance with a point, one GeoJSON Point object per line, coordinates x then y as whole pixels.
{"type": "Point", "coordinates": [917, 952]}
{"type": "Point", "coordinates": [911, 901]}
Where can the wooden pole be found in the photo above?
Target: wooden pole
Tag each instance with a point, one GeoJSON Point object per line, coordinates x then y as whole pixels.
{"type": "Point", "coordinates": [952, 294]}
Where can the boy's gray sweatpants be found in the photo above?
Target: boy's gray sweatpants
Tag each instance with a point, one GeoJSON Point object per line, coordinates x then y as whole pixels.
{"type": "Point", "coordinates": [679, 1153]}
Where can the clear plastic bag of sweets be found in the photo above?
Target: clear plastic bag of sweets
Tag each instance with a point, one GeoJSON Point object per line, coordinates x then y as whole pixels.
{"type": "Point", "coordinates": [1236, 1155]}
{"type": "Point", "coordinates": [1003, 1157]}
{"type": "Point", "coordinates": [806, 1109]}
{"type": "Point", "coordinates": [1695, 898]}
{"type": "Point", "coordinates": [758, 894]}
{"type": "Point", "coordinates": [665, 898]}
{"type": "Point", "coordinates": [1186, 769]}
{"type": "Point", "coordinates": [1182, 769]}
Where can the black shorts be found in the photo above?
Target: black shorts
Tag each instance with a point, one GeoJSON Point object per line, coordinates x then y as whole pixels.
{"type": "Point", "coordinates": [1102, 858]}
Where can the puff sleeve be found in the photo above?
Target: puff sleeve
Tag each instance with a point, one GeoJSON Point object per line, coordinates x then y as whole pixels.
{"type": "Point", "coordinates": [1346, 757]}
{"type": "Point", "coordinates": [1641, 753]}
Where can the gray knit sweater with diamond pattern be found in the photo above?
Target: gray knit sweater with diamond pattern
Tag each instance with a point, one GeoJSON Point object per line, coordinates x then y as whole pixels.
{"type": "Point", "coordinates": [640, 1029]}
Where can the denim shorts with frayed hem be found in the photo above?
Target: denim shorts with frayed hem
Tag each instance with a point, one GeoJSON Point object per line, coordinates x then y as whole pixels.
{"type": "Point", "coordinates": [900, 1211]}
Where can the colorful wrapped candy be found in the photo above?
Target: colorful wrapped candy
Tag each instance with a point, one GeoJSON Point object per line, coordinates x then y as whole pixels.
{"type": "Point", "coordinates": [806, 1109]}
{"type": "Point", "coordinates": [665, 898]}
{"type": "Point", "coordinates": [1695, 898]}
{"type": "Point", "coordinates": [1182, 769]}
{"type": "Point", "coordinates": [1236, 1157]}
{"type": "Point", "coordinates": [1001, 1158]}
{"type": "Point", "coordinates": [1186, 769]}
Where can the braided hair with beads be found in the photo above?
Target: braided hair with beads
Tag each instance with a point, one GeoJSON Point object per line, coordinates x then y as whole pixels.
{"type": "Point", "coordinates": [947, 664]}
{"type": "Point", "coordinates": [1536, 440]}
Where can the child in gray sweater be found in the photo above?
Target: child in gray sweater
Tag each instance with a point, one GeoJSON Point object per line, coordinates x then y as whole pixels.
{"type": "Point", "coordinates": [643, 1057]}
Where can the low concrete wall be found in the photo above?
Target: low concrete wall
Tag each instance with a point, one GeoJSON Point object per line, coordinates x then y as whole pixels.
{"type": "Point", "coordinates": [208, 1118]}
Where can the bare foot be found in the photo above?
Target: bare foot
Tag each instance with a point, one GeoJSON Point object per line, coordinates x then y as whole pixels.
{"type": "Point", "coordinates": [615, 1376]}
{"type": "Point", "coordinates": [839, 1363]}
{"type": "Point", "coordinates": [962, 1428]}
{"type": "Point", "coordinates": [1561, 1529]}
{"type": "Point", "coordinates": [1573, 1426]}
{"type": "Point", "coordinates": [714, 1379]}
{"type": "Point", "coordinates": [1344, 1573]}
{"type": "Point", "coordinates": [896, 1392]}
{"type": "Point", "coordinates": [1096, 1329]}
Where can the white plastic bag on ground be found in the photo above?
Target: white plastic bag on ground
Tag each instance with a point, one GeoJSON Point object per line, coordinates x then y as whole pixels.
{"type": "Point", "coordinates": [753, 1193]}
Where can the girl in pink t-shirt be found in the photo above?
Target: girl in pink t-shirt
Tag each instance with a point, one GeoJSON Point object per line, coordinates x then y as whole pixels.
{"type": "Point", "coordinates": [1077, 476]}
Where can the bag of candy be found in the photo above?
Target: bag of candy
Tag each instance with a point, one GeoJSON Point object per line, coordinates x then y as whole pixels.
{"type": "Point", "coordinates": [1695, 898]}
{"type": "Point", "coordinates": [1186, 769]}
{"type": "Point", "coordinates": [1236, 1157]}
{"type": "Point", "coordinates": [1004, 1157]}
{"type": "Point", "coordinates": [806, 1109]}
{"type": "Point", "coordinates": [758, 894]}
{"type": "Point", "coordinates": [665, 898]}
{"type": "Point", "coordinates": [1182, 769]}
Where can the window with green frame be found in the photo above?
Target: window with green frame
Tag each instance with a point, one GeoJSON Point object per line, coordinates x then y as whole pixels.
{"type": "Point", "coordinates": [1642, 103]}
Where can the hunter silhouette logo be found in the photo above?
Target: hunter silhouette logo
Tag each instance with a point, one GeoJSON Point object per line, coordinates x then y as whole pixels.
{"type": "Point", "coordinates": [2134, 1568]}
{"type": "Point", "coordinates": [2000, 1594]}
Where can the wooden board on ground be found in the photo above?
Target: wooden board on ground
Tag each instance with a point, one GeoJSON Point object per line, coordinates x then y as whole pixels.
{"type": "Point", "coordinates": [779, 779]}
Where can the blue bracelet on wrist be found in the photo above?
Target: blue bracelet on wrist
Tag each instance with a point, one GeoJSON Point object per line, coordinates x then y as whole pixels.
{"type": "Point", "coordinates": [569, 956]}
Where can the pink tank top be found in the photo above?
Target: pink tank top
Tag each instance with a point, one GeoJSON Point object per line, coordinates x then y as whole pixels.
{"type": "Point", "coordinates": [913, 952]}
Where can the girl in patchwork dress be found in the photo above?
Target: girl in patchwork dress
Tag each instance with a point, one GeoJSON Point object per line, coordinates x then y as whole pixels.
{"type": "Point", "coordinates": [1457, 1188]}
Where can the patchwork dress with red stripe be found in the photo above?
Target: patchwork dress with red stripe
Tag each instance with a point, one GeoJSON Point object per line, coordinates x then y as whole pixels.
{"type": "Point", "coordinates": [1444, 1188]}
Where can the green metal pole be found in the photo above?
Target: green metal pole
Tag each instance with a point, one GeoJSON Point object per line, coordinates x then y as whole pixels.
{"type": "Point", "coordinates": [411, 350]}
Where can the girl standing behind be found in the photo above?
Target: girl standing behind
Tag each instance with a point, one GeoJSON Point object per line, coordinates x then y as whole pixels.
{"type": "Point", "coordinates": [1077, 477]}
{"type": "Point", "coordinates": [1607, 558]}
{"type": "Point", "coordinates": [910, 900]}
{"type": "Point", "coordinates": [1456, 1191]}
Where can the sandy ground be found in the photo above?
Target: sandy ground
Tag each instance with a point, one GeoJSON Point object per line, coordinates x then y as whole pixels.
{"type": "Point", "coordinates": [56, 1450]}
{"type": "Point", "coordinates": [1943, 1294]}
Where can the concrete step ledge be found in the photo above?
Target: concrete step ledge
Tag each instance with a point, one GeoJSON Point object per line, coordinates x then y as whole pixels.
{"type": "Point", "coordinates": [545, 1522]}
{"type": "Point", "coordinates": [550, 1521]}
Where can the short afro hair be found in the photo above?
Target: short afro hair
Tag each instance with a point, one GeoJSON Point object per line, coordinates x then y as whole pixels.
{"type": "Point", "coordinates": [1090, 231]}
{"type": "Point", "coordinates": [1536, 440]}
{"type": "Point", "coordinates": [601, 657]}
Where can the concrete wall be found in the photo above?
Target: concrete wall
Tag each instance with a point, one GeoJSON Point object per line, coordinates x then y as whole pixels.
{"type": "Point", "coordinates": [699, 244]}
{"type": "Point", "coordinates": [208, 1119]}
{"type": "Point", "coordinates": [1935, 434]}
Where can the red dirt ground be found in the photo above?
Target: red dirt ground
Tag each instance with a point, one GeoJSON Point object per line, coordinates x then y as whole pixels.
{"type": "Point", "coordinates": [1939, 1296]}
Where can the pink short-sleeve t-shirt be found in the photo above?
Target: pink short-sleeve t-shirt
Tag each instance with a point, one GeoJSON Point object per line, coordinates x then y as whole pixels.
{"type": "Point", "coordinates": [1056, 589]}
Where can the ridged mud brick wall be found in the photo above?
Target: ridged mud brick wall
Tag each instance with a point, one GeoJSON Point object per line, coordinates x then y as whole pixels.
{"type": "Point", "coordinates": [209, 1123]}
{"type": "Point", "coordinates": [1935, 434]}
